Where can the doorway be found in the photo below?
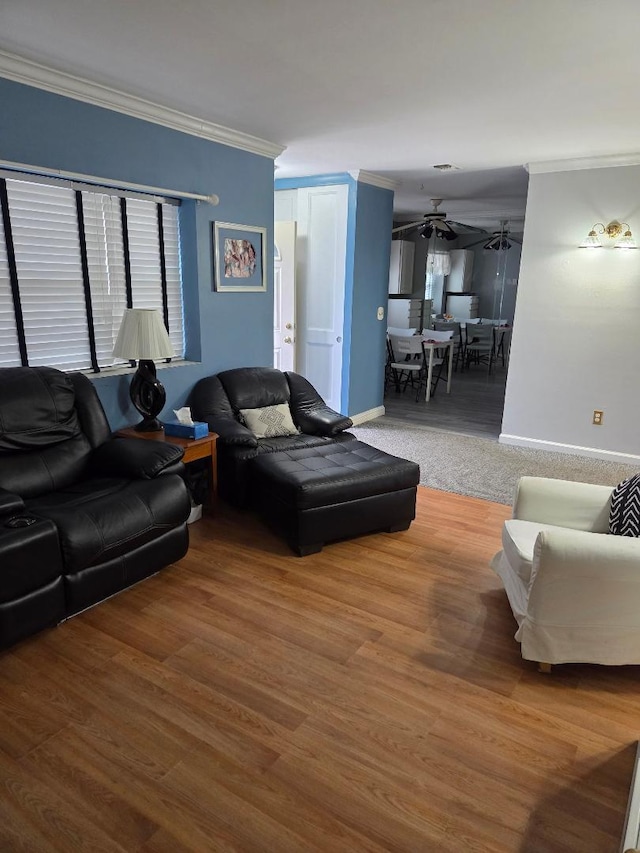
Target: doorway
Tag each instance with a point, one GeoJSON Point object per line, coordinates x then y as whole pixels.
{"type": "Point", "coordinates": [476, 402]}
{"type": "Point", "coordinates": [284, 296]}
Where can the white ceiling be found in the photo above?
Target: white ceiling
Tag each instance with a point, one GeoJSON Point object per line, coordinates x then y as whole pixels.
{"type": "Point", "coordinates": [392, 87]}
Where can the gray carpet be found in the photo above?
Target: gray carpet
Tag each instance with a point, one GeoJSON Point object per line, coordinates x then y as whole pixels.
{"type": "Point", "coordinates": [480, 467]}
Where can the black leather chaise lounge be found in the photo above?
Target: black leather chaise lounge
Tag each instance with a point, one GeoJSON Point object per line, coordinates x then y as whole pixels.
{"type": "Point", "coordinates": [82, 515]}
{"type": "Point", "coordinates": [285, 453]}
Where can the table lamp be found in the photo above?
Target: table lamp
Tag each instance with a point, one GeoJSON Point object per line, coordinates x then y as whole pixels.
{"type": "Point", "coordinates": [143, 337]}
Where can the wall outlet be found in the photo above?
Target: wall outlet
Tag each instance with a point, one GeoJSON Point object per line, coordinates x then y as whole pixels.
{"type": "Point", "coordinates": [380, 314]}
{"type": "Point", "coordinates": [597, 417]}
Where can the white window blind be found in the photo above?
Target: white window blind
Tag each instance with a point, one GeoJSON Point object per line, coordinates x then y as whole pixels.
{"type": "Point", "coordinates": [44, 224]}
{"type": "Point", "coordinates": [144, 251]}
{"type": "Point", "coordinates": [105, 259]}
{"type": "Point", "coordinates": [171, 223]}
{"type": "Point", "coordinates": [47, 241]}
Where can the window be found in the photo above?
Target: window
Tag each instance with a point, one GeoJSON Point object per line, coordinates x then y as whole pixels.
{"type": "Point", "coordinates": [72, 258]}
{"type": "Point", "coordinates": [438, 264]}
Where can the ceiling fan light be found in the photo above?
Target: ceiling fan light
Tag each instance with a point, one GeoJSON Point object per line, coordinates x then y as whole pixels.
{"type": "Point", "coordinates": [445, 232]}
{"type": "Point", "coordinates": [497, 243]}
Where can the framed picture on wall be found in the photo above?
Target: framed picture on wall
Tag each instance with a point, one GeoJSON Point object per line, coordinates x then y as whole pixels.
{"type": "Point", "coordinates": [238, 252]}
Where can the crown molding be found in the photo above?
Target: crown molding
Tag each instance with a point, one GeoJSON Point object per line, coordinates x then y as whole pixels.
{"type": "Point", "coordinates": [605, 162]}
{"type": "Point", "coordinates": [375, 180]}
{"type": "Point", "coordinates": [22, 70]}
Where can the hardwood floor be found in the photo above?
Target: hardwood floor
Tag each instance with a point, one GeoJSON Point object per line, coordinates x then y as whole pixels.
{"type": "Point", "coordinates": [474, 406]}
{"type": "Point", "coordinates": [367, 698]}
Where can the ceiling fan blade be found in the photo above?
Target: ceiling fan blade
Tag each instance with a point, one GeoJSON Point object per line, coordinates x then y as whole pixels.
{"type": "Point", "coordinates": [468, 227]}
{"type": "Point", "coordinates": [476, 243]}
{"type": "Point", "coordinates": [406, 226]}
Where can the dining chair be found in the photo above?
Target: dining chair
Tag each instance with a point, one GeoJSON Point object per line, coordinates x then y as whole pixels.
{"type": "Point", "coordinates": [408, 360]}
{"type": "Point", "coordinates": [388, 370]}
{"type": "Point", "coordinates": [400, 332]}
{"type": "Point", "coordinates": [480, 345]}
{"type": "Point", "coordinates": [502, 338]}
{"type": "Point", "coordinates": [457, 333]}
{"type": "Point", "coordinates": [440, 354]}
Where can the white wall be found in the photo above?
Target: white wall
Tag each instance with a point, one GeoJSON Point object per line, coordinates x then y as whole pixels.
{"type": "Point", "coordinates": [576, 341]}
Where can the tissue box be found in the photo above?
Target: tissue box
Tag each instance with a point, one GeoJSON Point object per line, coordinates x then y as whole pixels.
{"type": "Point", "coordinates": [198, 430]}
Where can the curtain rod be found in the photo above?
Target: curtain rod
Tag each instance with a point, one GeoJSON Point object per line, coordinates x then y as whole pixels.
{"type": "Point", "coordinates": [106, 182]}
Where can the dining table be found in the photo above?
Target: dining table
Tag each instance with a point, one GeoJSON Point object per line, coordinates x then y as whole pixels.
{"type": "Point", "coordinates": [501, 336]}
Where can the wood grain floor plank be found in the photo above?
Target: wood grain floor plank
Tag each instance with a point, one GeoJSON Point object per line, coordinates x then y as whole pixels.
{"type": "Point", "coordinates": [171, 810]}
{"type": "Point", "coordinates": [48, 812]}
{"type": "Point", "coordinates": [367, 698]}
{"type": "Point", "coordinates": [164, 841]}
{"type": "Point", "coordinates": [198, 725]}
{"type": "Point", "coordinates": [199, 660]}
{"type": "Point", "coordinates": [52, 764]}
{"type": "Point", "coordinates": [282, 819]}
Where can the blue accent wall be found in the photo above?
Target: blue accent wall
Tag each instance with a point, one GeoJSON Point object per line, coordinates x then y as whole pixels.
{"type": "Point", "coordinates": [371, 254]}
{"type": "Point", "coordinates": [223, 330]}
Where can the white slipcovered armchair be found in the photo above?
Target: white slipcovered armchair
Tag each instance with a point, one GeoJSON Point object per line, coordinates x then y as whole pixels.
{"type": "Point", "coordinates": [573, 587]}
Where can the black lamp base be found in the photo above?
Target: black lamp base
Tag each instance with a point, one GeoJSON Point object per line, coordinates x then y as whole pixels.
{"type": "Point", "coordinates": [149, 425]}
{"type": "Point", "coordinates": [148, 396]}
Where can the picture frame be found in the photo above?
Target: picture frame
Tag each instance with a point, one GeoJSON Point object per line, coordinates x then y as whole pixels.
{"type": "Point", "coordinates": [239, 252]}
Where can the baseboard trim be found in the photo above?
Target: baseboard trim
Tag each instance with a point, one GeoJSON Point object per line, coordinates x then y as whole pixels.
{"type": "Point", "coordinates": [571, 449]}
{"type": "Point", "coordinates": [369, 415]}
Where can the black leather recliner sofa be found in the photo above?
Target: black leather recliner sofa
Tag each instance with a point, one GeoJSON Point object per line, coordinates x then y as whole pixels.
{"type": "Point", "coordinates": [315, 485]}
{"type": "Point", "coordinates": [82, 515]}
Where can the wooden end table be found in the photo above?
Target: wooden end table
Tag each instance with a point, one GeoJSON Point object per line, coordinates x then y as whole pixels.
{"type": "Point", "coordinates": [194, 448]}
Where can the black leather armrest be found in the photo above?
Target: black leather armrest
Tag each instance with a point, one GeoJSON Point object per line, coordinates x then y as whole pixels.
{"type": "Point", "coordinates": [310, 412]}
{"type": "Point", "coordinates": [322, 421]}
{"type": "Point", "coordinates": [209, 403]}
{"type": "Point", "coordinates": [10, 504]}
{"type": "Point", "coordinates": [231, 431]}
{"type": "Point", "coordinates": [139, 459]}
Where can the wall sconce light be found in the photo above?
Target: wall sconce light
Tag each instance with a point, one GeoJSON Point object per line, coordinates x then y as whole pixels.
{"type": "Point", "coordinates": [614, 231]}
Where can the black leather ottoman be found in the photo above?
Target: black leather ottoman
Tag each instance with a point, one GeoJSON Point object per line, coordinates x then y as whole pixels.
{"type": "Point", "coordinates": [315, 495]}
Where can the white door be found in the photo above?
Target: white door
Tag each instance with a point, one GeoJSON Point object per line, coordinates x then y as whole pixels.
{"type": "Point", "coordinates": [284, 296]}
{"type": "Point", "coordinates": [322, 229]}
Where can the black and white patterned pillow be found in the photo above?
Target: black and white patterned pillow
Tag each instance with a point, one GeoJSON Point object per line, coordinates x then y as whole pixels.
{"type": "Point", "coordinates": [270, 421]}
{"type": "Point", "coordinates": [624, 517]}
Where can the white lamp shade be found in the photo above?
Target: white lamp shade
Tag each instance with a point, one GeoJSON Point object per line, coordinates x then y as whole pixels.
{"type": "Point", "coordinates": [142, 335]}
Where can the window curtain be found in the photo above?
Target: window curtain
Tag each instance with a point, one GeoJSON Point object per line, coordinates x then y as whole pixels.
{"type": "Point", "coordinates": [438, 263]}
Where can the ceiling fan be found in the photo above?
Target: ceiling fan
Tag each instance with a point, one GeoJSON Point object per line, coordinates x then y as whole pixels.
{"type": "Point", "coordinates": [436, 222]}
{"type": "Point", "coordinates": [499, 240]}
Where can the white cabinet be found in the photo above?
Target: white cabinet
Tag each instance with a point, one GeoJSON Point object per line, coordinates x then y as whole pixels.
{"type": "Point", "coordinates": [409, 313]}
{"type": "Point", "coordinates": [401, 266]}
{"type": "Point", "coordinates": [462, 306]}
{"type": "Point", "coordinates": [459, 279]}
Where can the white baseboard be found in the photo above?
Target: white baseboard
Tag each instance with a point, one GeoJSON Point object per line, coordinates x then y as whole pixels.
{"type": "Point", "coordinates": [369, 415]}
{"type": "Point", "coordinates": [572, 449]}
